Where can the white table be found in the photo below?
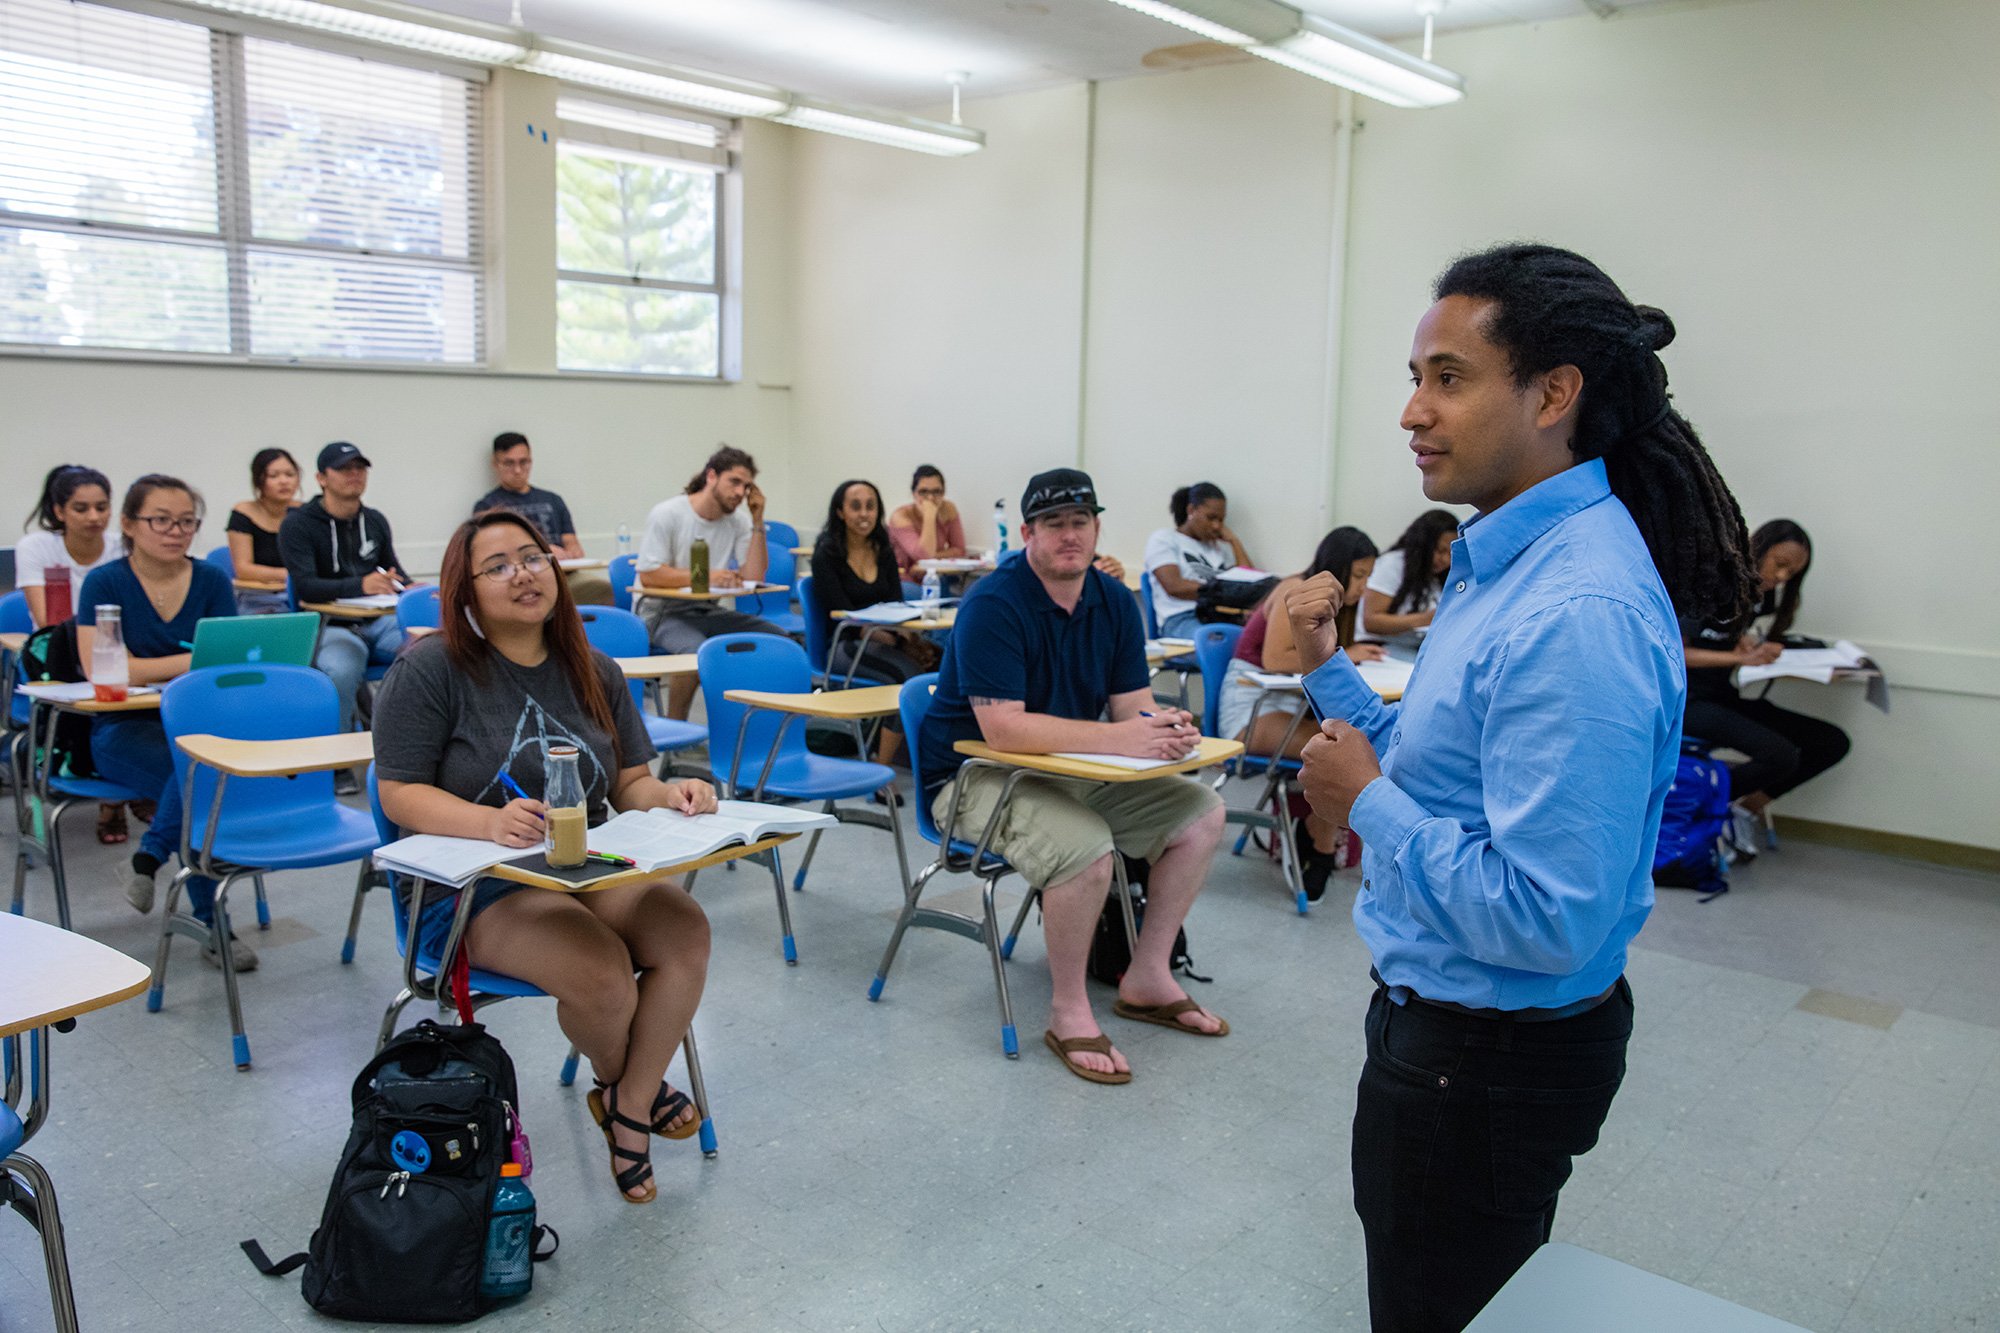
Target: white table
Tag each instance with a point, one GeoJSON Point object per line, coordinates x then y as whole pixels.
{"type": "Point", "coordinates": [1566, 1289]}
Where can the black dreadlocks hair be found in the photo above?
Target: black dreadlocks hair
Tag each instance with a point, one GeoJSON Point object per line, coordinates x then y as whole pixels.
{"type": "Point", "coordinates": [1556, 308]}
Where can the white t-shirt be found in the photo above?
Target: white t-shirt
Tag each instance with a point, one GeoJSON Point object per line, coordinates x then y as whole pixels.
{"type": "Point", "coordinates": [1387, 578]}
{"type": "Point", "coordinates": [39, 551]}
{"type": "Point", "coordinates": [1197, 561]}
{"type": "Point", "coordinates": [673, 525]}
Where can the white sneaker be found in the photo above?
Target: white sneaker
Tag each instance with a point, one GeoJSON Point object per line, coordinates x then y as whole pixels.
{"type": "Point", "coordinates": [1745, 829]}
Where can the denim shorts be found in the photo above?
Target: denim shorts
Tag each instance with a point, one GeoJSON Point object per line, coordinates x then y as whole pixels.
{"type": "Point", "coordinates": [434, 924]}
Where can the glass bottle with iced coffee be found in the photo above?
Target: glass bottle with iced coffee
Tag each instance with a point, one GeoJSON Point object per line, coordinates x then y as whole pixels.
{"type": "Point", "coordinates": [567, 823]}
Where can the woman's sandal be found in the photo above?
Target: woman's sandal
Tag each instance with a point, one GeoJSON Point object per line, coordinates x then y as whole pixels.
{"type": "Point", "coordinates": [670, 1103]}
{"type": "Point", "coordinates": [111, 826]}
{"type": "Point", "coordinates": [603, 1103]}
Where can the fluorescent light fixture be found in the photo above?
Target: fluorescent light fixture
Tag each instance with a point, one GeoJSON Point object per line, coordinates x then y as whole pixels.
{"type": "Point", "coordinates": [1194, 23]}
{"type": "Point", "coordinates": [1311, 45]}
{"type": "Point", "coordinates": [923, 136]}
{"type": "Point", "coordinates": [661, 83]}
{"type": "Point", "coordinates": [1355, 60]}
{"type": "Point", "coordinates": [649, 124]}
{"type": "Point", "coordinates": [382, 24]}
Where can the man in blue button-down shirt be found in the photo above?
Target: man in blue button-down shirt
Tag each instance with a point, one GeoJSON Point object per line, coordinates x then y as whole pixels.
{"type": "Point", "coordinates": [1509, 805]}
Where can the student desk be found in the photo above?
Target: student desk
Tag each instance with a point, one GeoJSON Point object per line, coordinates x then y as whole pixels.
{"type": "Point", "coordinates": [1163, 650]}
{"type": "Point", "coordinates": [1209, 753]}
{"type": "Point", "coordinates": [421, 631]}
{"type": "Point", "coordinates": [335, 611]}
{"type": "Point", "coordinates": [50, 978]}
{"type": "Point", "coordinates": [581, 564]}
{"type": "Point", "coordinates": [803, 552]}
{"type": "Point", "coordinates": [278, 759]}
{"type": "Point", "coordinates": [518, 875]}
{"type": "Point", "coordinates": [13, 643]}
{"type": "Point", "coordinates": [864, 630]}
{"type": "Point", "coordinates": [640, 591]}
{"type": "Point", "coordinates": [42, 715]}
{"type": "Point", "coordinates": [657, 668]}
{"type": "Point", "coordinates": [260, 585]}
{"type": "Point", "coordinates": [1566, 1289]}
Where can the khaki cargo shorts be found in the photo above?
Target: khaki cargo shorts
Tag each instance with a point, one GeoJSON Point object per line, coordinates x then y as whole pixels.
{"type": "Point", "coordinates": [1054, 827]}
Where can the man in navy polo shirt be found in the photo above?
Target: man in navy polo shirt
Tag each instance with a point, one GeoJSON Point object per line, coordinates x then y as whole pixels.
{"type": "Point", "coordinates": [1045, 647]}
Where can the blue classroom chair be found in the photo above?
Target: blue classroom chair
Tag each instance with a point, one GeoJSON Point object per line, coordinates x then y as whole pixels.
{"type": "Point", "coordinates": [624, 573]}
{"type": "Point", "coordinates": [957, 855]}
{"type": "Point", "coordinates": [1184, 665]}
{"type": "Point", "coordinates": [251, 826]}
{"type": "Point", "coordinates": [776, 607]}
{"type": "Point", "coordinates": [1214, 645]}
{"type": "Point", "coordinates": [418, 608]}
{"type": "Point", "coordinates": [43, 795]}
{"type": "Point", "coordinates": [778, 534]}
{"type": "Point", "coordinates": [819, 641]}
{"type": "Point", "coordinates": [427, 976]}
{"type": "Point", "coordinates": [617, 633]}
{"type": "Point", "coordinates": [222, 560]}
{"type": "Point", "coordinates": [759, 754]}
{"type": "Point", "coordinates": [25, 1186]}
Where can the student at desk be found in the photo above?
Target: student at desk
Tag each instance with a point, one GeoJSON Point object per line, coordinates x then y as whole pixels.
{"type": "Point", "coordinates": [1348, 556]}
{"type": "Point", "coordinates": [253, 530]}
{"type": "Point", "coordinates": [1402, 592]}
{"type": "Point", "coordinates": [510, 673]}
{"type": "Point", "coordinates": [334, 546]}
{"type": "Point", "coordinates": [1044, 647]}
{"type": "Point", "coordinates": [160, 594]}
{"type": "Point", "coordinates": [1785, 748]}
{"type": "Point", "coordinates": [927, 528]}
{"type": "Point", "coordinates": [854, 566]}
{"type": "Point", "coordinates": [69, 522]}
{"type": "Point", "coordinates": [1192, 552]}
{"type": "Point", "coordinates": [513, 469]}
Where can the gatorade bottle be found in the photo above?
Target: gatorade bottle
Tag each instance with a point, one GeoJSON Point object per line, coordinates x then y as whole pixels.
{"type": "Point", "coordinates": [698, 565]}
{"type": "Point", "coordinates": [510, 1238]}
{"type": "Point", "coordinates": [999, 527]}
{"type": "Point", "coordinates": [55, 595]}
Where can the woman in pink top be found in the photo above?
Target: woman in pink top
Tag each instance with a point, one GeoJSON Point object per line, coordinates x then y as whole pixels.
{"type": "Point", "coordinates": [928, 528]}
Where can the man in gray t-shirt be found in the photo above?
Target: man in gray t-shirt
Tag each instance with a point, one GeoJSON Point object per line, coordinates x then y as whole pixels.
{"type": "Point", "coordinates": [713, 509]}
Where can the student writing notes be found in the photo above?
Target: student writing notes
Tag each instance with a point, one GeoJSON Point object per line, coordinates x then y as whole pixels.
{"type": "Point", "coordinates": [1197, 548]}
{"type": "Point", "coordinates": [510, 674]}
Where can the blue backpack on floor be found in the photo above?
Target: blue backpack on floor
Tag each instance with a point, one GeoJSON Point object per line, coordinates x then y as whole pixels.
{"type": "Point", "coordinates": [1692, 828]}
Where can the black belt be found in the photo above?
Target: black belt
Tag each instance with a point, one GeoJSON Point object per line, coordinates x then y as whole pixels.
{"type": "Point", "coordinates": [1555, 1014]}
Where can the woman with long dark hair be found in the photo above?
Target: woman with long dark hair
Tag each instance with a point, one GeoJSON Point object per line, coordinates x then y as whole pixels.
{"type": "Point", "coordinates": [253, 530]}
{"type": "Point", "coordinates": [1266, 644]}
{"type": "Point", "coordinates": [1785, 748]}
{"type": "Point", "coordinates": [854, 566]}
{"type": "Point", "coordinates": [1192, 552]}
{"type": "Point", "coordinates": [510, 674]}
{"type": "Point", "coordinates": [69, 521]}
{"type": "Point", "coordinates": [161, 595]}
{"type": "Point", "coordinates": [1402, 593]}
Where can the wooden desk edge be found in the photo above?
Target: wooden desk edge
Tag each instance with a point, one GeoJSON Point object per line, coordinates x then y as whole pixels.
{"type": "Point", "coordinates": [334, 611]}
{"type": "Point", "coordinates": [653, 667]}
{"type": "Point", "coordinates": [860, 702]}
{"type": "Point", "coordinates": [1213, 751]}
{"type": "Point", "coordinates": [514, 874]}
{"type": "Point", "coordinates": [104, 1001]}
{"type": "Point", "coordinates": [362, 744]}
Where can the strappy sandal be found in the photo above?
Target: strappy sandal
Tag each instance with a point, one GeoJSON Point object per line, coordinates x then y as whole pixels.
{"type": "Point", "coordinates": [111, 826]}
{"type": "Point", "coordinates": [670, 1103]}
{"type": "Point", "coordinates": [1098, 1045]}
{"type": "Point", "coordinates": [603, 1103]}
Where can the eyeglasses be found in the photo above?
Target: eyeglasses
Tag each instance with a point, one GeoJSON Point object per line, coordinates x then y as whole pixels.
{"type": "Point", "coordinates": [166, 523]}
{"type": "Point", "coordinates": [501, 571]}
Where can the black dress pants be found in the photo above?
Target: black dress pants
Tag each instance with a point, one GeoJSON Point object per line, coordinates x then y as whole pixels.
{"type": "Point", "coordinates": [1464, 1132]}
{"type": "Point", "coordinates": [1786, 749]}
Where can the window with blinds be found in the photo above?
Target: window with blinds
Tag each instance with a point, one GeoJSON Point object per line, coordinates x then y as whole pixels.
{"type": "Point", "coordinates": [639, 283]}
{"type": "Point", "coordinates": [168, 187]}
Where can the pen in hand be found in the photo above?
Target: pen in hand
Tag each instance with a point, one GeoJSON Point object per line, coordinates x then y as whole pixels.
{"type": "Point", "coordinates": [506, 780]}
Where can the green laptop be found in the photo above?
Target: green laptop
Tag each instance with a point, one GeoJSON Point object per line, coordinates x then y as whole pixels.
{"type": "Point", "coordinates": [286, 640]}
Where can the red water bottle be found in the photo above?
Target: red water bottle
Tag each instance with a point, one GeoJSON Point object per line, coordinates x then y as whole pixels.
{"type": "Point", "coordinates": [55, 595]}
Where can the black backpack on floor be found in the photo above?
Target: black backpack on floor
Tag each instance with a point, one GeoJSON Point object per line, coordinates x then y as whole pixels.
{"type": "Point", "coordinates": [48, 656]}
{"type": "Point", "coordinates": [409, 1247]}
{"type": "Point", "coordinates": [1110, 954]}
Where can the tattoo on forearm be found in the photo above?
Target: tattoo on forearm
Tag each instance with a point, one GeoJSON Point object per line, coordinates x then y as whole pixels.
{"type": "Point", "coordinates": [981, 701]}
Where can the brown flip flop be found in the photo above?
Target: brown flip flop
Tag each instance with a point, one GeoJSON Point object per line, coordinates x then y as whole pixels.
{"type": "Point", "coordinates": [1099, 1045]}
{"type": "Point", "coordinates": [1169, 1016]}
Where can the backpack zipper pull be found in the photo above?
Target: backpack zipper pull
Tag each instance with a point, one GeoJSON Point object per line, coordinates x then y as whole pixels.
{"type": "Point", "coordinates": [399, 1179]}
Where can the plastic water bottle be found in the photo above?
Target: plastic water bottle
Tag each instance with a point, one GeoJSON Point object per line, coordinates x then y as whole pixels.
{"type": "Point", "coordinates": [110, 668]}
{"type": "Point", "coordinates": [624, 539]}
{"type": "Point", "coordinates": [933, 593]}
{"type": "Point", "coordinates": [999, 527]}
{"type": "Point", "coordinates": [510, 1238]}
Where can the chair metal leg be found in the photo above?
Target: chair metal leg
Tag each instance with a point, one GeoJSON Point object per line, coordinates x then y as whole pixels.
{"type": "Point", "coordinates": [239, 1041]}
{"type": "Point", "coordinates": [156, 993]}
{"type": "Point", "coordinates": [20, 878]}
{"type": "Point", "coordinates": [54, 834]}
{"type": "Point", "coordinates": [812, 845]}
{"type": "Point", "coordinates": [263, 904]}
{"type": "Point", "coordinates": [698, 1090]}
{"type": "Point", "coordinates": [1010, 1040]}
{"type": "Point", "coordinates": [1020, 919]}
{"type": "Point", "coordinates": [567, 1076]}
{"type": "Point", "coordinates": [362, 883]}
{"type": "Point", "coordinates": [1285, 844]}
{"type": "Point", "coordinates": [909, 913]}
{"type": "Point", "coordinates": [390, 1015]}
{"type": "Point", "coordinates": [784, 908]}
{"type": "Point", "coordinates": [26, 1185]}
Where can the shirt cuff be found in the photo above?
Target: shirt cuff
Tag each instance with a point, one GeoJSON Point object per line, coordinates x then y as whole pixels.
{"type": "Point", "coordinates": [1337, 690]}
{"type": "Point", "coordinates": [1386, 815]}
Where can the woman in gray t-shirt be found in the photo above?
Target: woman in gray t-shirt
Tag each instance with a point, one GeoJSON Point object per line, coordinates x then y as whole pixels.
{"type": "Point", "coordinates": [511, 673]}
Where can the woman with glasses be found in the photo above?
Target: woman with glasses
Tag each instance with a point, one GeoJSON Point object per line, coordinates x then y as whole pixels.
{"type": "Point", "coordinates": [927, 528]}
{"type": "Point", "coordinates": [511, 673]}
{"type": "Point", "coordinates": [160, 593]}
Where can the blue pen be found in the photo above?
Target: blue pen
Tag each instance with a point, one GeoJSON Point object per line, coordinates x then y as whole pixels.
{"type": "Point", "coordinates": [507, 781]}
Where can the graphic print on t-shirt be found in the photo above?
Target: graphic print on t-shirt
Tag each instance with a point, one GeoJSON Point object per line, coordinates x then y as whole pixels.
{"type": "Point", "coordinates": [536, 730]}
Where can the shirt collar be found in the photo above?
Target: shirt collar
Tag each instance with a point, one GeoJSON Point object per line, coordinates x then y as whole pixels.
{"type": "Point", "coordinates": [1092, 596]}
{"type": "Point", "coordinates": [1493, 540]}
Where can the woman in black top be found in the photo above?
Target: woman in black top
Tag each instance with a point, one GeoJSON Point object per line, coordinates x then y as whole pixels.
{"type": "Point", "coordinates": [854, 566]}
{"type": "Point", "coordinates": [1785, 748]}
{"type": "Point", "coordinates": [253, 530]}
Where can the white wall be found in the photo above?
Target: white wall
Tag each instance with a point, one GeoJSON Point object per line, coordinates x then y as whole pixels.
{"type": "Point", "coordinates": [611, 447]}
{"type": "Point", "coordinates": [1804, 184]}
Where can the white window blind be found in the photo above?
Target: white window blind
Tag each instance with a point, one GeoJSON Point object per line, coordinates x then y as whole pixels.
{"type": "Point", "coordinates": [171, 188]}
{"type": "Point", "coordinates": [638, 242]}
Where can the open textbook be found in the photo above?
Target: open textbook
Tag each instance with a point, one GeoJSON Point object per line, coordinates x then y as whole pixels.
{"type": "Point", "coordinates": [1387, 676]}
{"type": "Point", "coordinates": [651, 839]}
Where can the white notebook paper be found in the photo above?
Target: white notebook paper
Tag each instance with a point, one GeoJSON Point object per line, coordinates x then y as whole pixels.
{"type": "Point", "coordinates": [382, 600]}
{"type": "Point", "coordinates": [1116, 760]}
{"type": "Point", "coordinates": [74, 692]}
{"type": "Point", "coordinates": [886, 613]}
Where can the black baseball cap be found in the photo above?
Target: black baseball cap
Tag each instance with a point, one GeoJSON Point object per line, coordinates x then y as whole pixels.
{"type": "Point", "coordinates": [1059, 488]}
{"type": "Point", "coordinates": [341, 454]}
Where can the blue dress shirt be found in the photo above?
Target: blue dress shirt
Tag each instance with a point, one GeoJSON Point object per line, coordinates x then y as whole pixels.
{"type": "Point", "coordinates": [1509, 841]}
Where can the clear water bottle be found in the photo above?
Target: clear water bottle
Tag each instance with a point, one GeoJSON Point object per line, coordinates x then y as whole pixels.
{"type": "Point", "coordinates": [624, 539]}
{"type": "Point", "coordinates": [999, 527]}
{"type": "Point", "coordinates": [510, 1238]}
{"type": "Point", "coordinates": [933, 594]}
{"type": "Point", "coordinates": [110, 668]}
